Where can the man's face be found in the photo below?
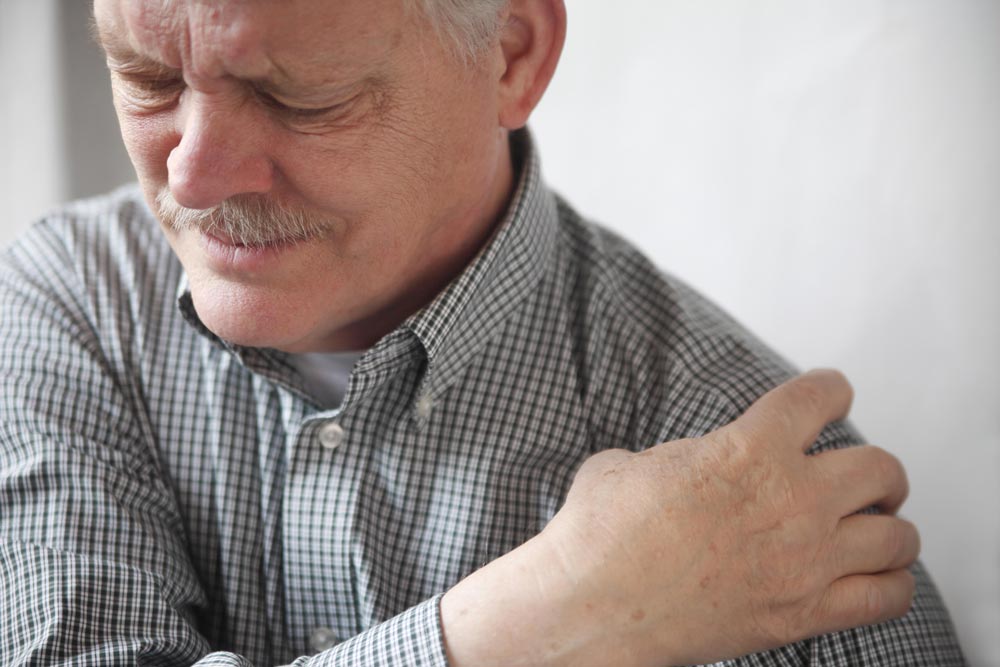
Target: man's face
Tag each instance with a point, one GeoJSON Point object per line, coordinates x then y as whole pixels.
{"type": "Point", "coordinates": [373, 158]}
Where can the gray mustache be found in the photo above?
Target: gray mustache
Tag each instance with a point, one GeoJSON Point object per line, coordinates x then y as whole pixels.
{"type": "Point", "coordinates": [248, 220]}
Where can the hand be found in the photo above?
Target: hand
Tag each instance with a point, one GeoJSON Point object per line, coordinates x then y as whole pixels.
{"type": "Point", "coordinates": [702, 549]}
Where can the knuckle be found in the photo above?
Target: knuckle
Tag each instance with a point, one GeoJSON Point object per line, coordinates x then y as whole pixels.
{"type": "Point", "coordinates": [811, 394]}
{"type": "Point", "coordinates": [602, 462]}
{"type": "Point", "coordinates": [904, 601]}
{"type": "Point", "coordinates": [909, 541]}
{"type": "Point", "coordinates": [728, 456]}
{"type": "Point", "coordinates": [889, 465]}
{"type": "Point", "coordinates": [778, 626]}
{"type": "Point", "coordinates": [891, 468]}
{"type": "Point", "coordinates": [842, 383]}
{"type": "Point", "coordinates": [873, 602]}
{"type": "Point", "coordinates": [833, 376]}
{"type": "Point", "coordinates": [848, 388]}
{"type": "Point", "coordinates": [896, 539]}
{"type": "Point", "coordinates": [796, 626]}
{"type": "Point", "coordinates": [839, 553]}
{"type": "Point", "coordinates": [733, 440]}
{"type": "Point", "coordinates": [916, 541]}
{"type": "Point", "coordinates": [911, 591]}
{"type": "Point", "coordinates": [791, 594]}
{"type": "Point", "coordinates": [615, 455]}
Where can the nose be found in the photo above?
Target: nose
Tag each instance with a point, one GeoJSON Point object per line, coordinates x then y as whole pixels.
{"type": "Point", "coordinates": [221, 152]}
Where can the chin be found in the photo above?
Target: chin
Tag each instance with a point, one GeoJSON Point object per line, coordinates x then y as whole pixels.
{"type": "Point", "coordinates": [253, 316]}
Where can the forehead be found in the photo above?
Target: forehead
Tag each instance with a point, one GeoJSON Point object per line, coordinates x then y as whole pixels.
{"type": "Point", "coordinates": [254, 38]}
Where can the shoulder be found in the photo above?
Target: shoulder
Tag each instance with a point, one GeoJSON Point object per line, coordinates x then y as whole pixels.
{"type": "Point", "coordinates": [665, 361]}
{"type": "Point", "coordinates": [92, 256]}
{"type": "Point", "coordinates": [95, 234]}
{"type": "Point", "coordinates": [90, 289]}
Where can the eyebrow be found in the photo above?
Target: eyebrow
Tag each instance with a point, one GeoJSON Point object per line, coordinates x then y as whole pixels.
{"type": "Point", "coordinates": [136, 63]}
{"type": "Point", "coordinates": [122, 57]}
{"type": "Point", "coordinates": [332, 81]}
{"type": "Point", "coordinates": [97, 35]}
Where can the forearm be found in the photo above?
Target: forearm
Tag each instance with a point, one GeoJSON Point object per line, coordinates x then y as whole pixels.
{"type": "Point", "coordinates": [506, 614]}
{"type": "Point", "coordinates": [526, 609]}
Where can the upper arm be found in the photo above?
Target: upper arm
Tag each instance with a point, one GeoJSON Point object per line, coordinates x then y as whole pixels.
{"type": "Point", "coordinates": [92, 556]}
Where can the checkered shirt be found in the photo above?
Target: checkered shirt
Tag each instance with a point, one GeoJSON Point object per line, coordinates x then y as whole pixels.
{"type": "Point", "coordinates": [168, 499]}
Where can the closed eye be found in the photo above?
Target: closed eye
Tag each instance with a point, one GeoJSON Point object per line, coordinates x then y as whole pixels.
{"type": "Point", "coordinates": [155, 85]}
{"type": "Point", "coordinates": [303, 113]}
{"type": "Point", "coordinates": [149, 89]}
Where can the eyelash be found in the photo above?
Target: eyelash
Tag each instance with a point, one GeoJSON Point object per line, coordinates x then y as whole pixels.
{"type": "Point", "coordinates": [150, 91]}
{"type": "Point", "coordinates": [296, 112]}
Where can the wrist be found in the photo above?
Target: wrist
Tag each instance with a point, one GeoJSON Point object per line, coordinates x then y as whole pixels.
{"type": "Point", "coordinates": [510, 612]}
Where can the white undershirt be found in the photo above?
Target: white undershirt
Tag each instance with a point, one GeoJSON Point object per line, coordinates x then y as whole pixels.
{"type": "Point", "coordinates": [326, 374]}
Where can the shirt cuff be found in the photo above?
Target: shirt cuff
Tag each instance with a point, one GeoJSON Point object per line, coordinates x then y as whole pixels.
{"type": "Point", "coordinates": [223, 659]}
{"type": "Point", "coordinates": [413, 638]}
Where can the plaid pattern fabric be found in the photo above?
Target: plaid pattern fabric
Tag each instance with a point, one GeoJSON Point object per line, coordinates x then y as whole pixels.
{"type": "Point", "coordinates": [167, 499]}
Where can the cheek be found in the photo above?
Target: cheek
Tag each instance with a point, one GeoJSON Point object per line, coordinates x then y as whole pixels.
{"type": "Point", "coordinates": [364, 178]}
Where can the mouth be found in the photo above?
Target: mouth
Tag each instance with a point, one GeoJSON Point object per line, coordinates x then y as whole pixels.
{"type": "Point", "coordinates": [222, 238]}
{"type": "Point", "coordinates": [227, 255]}
{"type": "Point", "coordinates": [243, 235]}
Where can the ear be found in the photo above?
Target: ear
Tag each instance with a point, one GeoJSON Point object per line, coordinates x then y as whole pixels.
{"type": "Point", "coordinates": [531, 42]}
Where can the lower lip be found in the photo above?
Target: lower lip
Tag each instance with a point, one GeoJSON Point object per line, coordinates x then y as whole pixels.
{"type": "Point", "coordinates": [245, 259]}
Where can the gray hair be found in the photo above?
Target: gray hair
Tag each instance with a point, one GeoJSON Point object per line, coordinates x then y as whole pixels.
{"type": "Point", "coordinates": [467, 26]}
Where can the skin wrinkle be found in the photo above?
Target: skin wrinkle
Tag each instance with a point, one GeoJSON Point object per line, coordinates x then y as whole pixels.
{"type": "Point", "coordinates": [123, 59]}
{"type": "Point", "coordinates": [213, 25]}
{"type": "Point", "coordinates": [441, 17]}
{"type": "Point", "coordinates": [151, 21]}
{"type": "Point", "coordinates": [406, 174]}
{"type": "Point", "coordinates": [129, 60]}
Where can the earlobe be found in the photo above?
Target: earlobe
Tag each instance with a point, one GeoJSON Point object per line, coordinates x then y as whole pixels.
{"type": "Point", "coordinates": [531, 42]}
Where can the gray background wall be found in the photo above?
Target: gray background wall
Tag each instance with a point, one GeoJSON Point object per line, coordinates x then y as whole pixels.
{"type": "Point", "coordinates": [828, 170]}
{"type": "Point", "coordinates": [58, 134]}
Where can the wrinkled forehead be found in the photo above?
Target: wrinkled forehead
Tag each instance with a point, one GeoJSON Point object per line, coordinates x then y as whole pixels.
{"type": "Point", "coordinates": [253, 38]}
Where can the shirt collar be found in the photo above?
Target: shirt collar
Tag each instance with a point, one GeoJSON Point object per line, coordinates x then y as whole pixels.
{"type": "Point", "coordinates": [459, 321]}
{"type": "Point", "coordinates": [455, 326]}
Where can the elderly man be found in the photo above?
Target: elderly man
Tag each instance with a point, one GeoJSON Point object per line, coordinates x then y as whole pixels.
{"type": "Point", "coordinates": [368, 352]}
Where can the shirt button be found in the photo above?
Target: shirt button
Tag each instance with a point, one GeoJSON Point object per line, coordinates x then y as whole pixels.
{"type": "Point", "coordinates": [331, 435]}
{"type": "Point", "coordinates": [321, 639]}
{"type": "Point", "coordinates": [424, 406]}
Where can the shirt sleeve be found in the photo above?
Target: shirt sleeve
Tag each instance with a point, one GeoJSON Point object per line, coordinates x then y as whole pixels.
{"type": "Point", "coordinates": [411, 638]}
{"type": "Point", "coordinates": [924, 637]}
{"type": "Point", "coordinates": [94, 565]}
